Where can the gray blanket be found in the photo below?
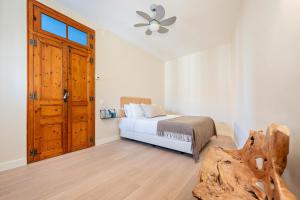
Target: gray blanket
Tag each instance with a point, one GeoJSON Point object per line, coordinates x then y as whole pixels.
{"type": "Point", "coordinates": [201, 129]}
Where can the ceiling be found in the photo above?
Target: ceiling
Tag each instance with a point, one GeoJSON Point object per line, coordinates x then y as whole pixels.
{"type": "Point", "coordinates": [201, 24]}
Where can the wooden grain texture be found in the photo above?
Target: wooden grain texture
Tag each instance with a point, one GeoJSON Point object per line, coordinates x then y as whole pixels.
{"type": "Point", "coordinates": [56, 64]}
{"type": "Point", "coordinates": [79, 101]}
{"type": "Point", "coordinates": [250, 173]}
{"type": "Point", "coordinates": [119, 170]}
{"type": "Point", "coordinates": [128, 100]}
{"type": "Point", "coordinates": [50, 78]}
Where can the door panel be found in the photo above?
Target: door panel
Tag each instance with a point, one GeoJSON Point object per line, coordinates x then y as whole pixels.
{"type": "Point", "coordinates": [80, 105]}
{"type": "Point", "coordinates": [58, 66]}
{"type": "Point", "coordinates": [79, 70]}
{"type": "Point", "coordinates": [50, 111]}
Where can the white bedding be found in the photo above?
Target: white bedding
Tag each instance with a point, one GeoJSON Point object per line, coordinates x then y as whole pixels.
{"type": "Point", "coordinates": [145, 130]}
{"type": "Point", "coordinates": [142, 124]}
{"type": "Point", "coordinates": [148, 126]}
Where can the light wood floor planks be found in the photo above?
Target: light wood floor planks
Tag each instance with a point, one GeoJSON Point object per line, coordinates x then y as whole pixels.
{"type": "Point", "coordinates": [119, 170]}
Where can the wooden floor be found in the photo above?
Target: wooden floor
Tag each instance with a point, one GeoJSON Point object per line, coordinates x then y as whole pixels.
{"type": "Point", "coordinates": [119, 170]}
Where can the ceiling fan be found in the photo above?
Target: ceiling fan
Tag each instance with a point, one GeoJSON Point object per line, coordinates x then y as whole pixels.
{"type": "Point", "coordinates": [155, 23]}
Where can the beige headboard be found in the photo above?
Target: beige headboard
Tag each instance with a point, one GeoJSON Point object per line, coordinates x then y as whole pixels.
{"type": "Point", "coordinates": [127, 100]}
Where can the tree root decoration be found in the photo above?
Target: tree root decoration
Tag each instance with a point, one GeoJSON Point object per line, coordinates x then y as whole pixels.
{"type": "Point", "coordinates": [237, 174]}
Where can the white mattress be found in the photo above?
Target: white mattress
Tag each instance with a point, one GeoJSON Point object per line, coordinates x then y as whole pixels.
{"type": "Point", "coordinates": [142, 125]}
{"type": "Point", "coordinates": [145, 130]}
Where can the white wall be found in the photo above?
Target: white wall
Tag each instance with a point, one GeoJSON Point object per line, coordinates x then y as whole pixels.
{"type": "Point", "coordinates": [258, 84]}
{"type": "Point", "coordinates": [202, 84]}
{"type": "Point", "coordinates": [120, 65]}
{"type": "Point", "coordinates": [267, 61]}
{"type": "Point", "coordinates": [13, 81]}
{"type": "Point", "coordinates": [125, 71]}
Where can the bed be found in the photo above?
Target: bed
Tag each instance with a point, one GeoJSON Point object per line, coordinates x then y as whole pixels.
{"type": "Point", "coordinates": [146, 129]}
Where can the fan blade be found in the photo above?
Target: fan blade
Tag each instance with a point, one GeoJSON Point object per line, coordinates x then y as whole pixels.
{"type": "Point", "coordinates": [162, 30]}
{"type": "Point", "coordinates": [141, 24]}
{"type": "Point", "coordinates": [144, 15]}
{"type": "Point", "coordinates": [148, 32]}
{"type": "Point", "coordinates": [168, 22]}
{"type": "Point", "coordinates": [159, 12]}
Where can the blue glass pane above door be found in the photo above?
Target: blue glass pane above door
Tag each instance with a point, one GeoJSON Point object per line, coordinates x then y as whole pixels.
{"type": "Point", "coordinates": [77, 36]}
{"type": "Point", "coordinates": [54, 26]}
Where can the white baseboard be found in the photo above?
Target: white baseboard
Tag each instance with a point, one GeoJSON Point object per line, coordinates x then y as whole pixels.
{"type": "Point", "coordinates": [107, 140]}
{"type": "Point", "coordinates": [224, 129]}
{"type": "Point", "coordinates": [12, 164]}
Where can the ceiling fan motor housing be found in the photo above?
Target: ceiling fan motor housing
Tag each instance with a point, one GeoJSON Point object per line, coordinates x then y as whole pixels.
{"type": "Point", "coordinates": [153, 7]}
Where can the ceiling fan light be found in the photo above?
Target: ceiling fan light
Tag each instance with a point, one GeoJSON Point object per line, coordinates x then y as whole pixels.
{"type": "Point", "coordinates": [154, 26]}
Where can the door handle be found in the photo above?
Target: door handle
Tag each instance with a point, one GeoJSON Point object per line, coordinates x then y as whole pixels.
{"type": "Point", "coordinates": [66, 95]}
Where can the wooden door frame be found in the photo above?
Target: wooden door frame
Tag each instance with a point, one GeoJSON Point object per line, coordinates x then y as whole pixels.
{"type": "Point", "coordinates": [30, 34]}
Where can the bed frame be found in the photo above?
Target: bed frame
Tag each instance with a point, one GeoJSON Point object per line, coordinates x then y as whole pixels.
{"type": "Point", "coordinates": [177, 145]}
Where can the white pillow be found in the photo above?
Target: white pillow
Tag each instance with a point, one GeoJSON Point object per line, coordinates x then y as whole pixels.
{"type": "Point", "coordinates": [151, 111]}
{"type": "Point", "coordinates": [127, 110]}
{"type": "Point", "coordinates": [136, 110]}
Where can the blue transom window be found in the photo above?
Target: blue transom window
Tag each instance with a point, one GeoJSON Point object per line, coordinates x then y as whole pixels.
{"type": "Point", "coordinates": [59, 28]}
{"type": "Point", "coordinates": [77, 36]}
{"type": "Point", "coordinates": [53, 26]}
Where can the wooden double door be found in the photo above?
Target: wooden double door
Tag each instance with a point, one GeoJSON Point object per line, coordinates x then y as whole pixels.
{"type": "Point", "coordinates": [62, 99]}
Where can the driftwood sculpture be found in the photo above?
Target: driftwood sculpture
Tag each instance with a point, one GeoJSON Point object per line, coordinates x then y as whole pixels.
{"type": "Point", "coordinates": [254, 172]}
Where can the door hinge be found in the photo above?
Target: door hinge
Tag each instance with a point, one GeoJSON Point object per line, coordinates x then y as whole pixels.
{"type": "Point", "coordinates": [33, 42]}
{"type": "Point", "coordinates": [91, 46]}
{"type": "Point", "coordinates": [92, 60]}
{"type": "Point", "coordinates": [92, 98]}
{"type": "Point", "coordinates": [92, 140]}
{"type": "Point", "coordinates": [91, 36]}
{"type": "Point", "coordinates": [33, 152]}
{"type": "Point", "coordinates": [34, 18]}
{"type": "Point", "coordinates": [33, 96]}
